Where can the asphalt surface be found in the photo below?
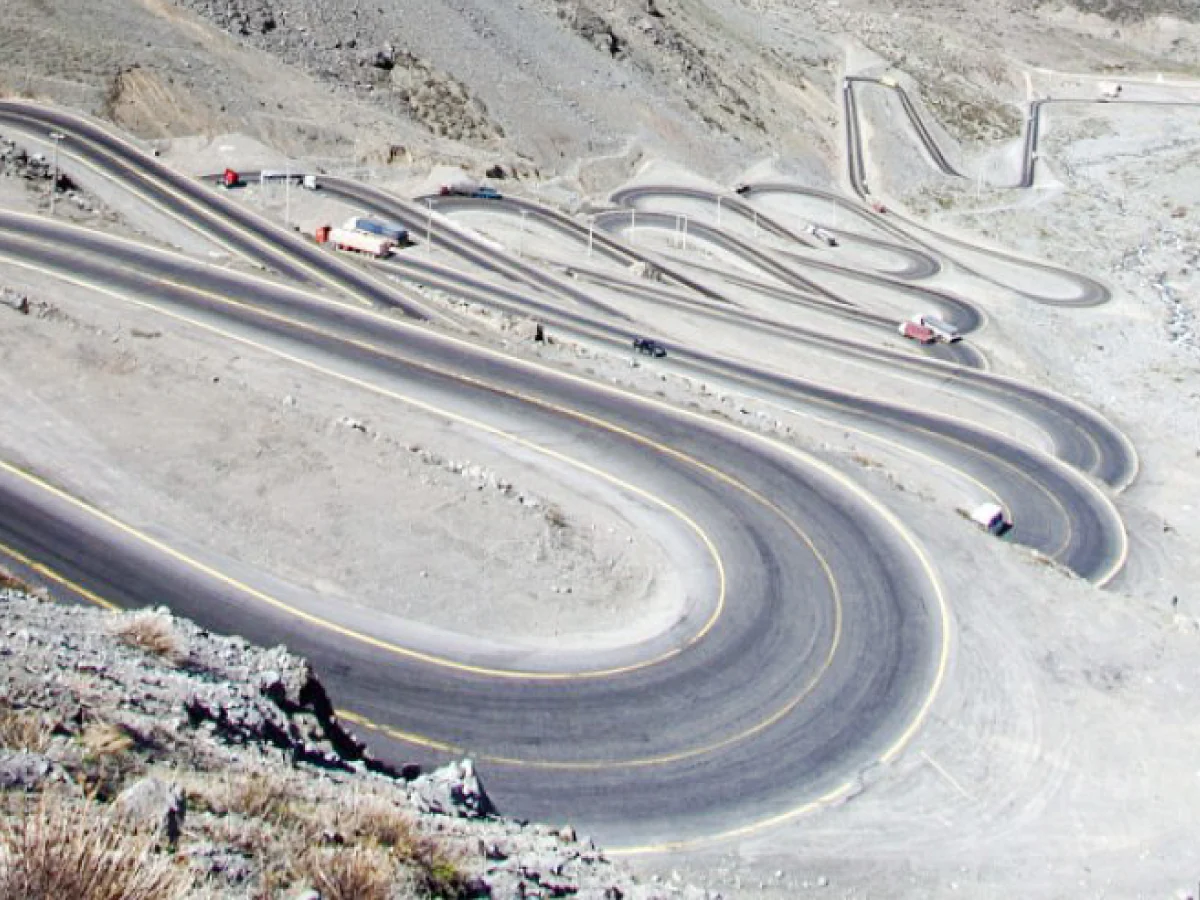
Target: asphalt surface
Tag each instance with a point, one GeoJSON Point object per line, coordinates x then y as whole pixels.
{"type": "Point", "coordinates": [1082, 438]}
{"type": "Point", "coordinates": [816, 632]}
{"type": "Point", "coordinates": [770, 645]}
{"type": "Point", "coordinates": [1088, 291]}
{"type": "Point", "coordinates": [226, 222]}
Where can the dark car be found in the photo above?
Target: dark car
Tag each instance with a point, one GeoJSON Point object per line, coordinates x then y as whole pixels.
{"type": "Point", "coordinates": [742, 189]}
{"type": "Point", "coordinates": [486, 193]}
{"type": "Point", "coordinates": [648, 347]}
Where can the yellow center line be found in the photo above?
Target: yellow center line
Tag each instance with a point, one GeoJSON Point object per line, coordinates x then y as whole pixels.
{"type": "Point", "coordinates": [592, 470]}
{"type": "Point", "coordinates": [50, 575]}
{"type": "Point", "coordinates": [428, 742]}
{"type": "Point", "coordinates": [880, 509]}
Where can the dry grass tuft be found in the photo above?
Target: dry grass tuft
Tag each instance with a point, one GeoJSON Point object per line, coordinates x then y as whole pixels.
{"type": "Point", "coordinates": [258, 796]}
{"type": "Point", "coordinates": [57, 850]}
{"type": "Point", "coordinates": [9, 581]}
{"type": "Point", "coordinates": [555, 517]}
{"type": "Point", "coordinates": [23, 730]}
{"type": "Point", "coordinates": [103, 739]}
{"type": "Point", "coordinates": [151, 632]}
{"type": "Point", "coordinates": [109, 760]}
{"type": "Point", "coordinates": [433, 870]}
{"type": "Point", "coordinates": [350, 874]}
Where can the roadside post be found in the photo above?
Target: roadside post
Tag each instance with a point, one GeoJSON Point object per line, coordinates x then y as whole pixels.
{"type": "Point", "coordinates": [57, 137]}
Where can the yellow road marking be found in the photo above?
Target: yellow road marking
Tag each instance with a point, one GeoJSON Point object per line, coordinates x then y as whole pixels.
{"type": "Point", "coordinates": [772, 719]}
{"type": "Point", "coordinates": [49, 574]}
{"type": "Point", "coordinates": [830, 472]}
{"type": "Point", "coordinates": [705, 539]}
{"type": "Point", "coordinates": [922, 713]}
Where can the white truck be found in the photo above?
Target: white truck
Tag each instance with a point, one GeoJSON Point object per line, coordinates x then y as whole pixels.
{"type": "Point", "coordinates": [1109, 90]}
{"type": "Point", "coordinates": [360, 242]}
{"type": "Point", "coordinates": [992, 518]}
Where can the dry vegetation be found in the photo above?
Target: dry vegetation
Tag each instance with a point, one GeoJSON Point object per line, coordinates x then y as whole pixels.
{"type": "Point", "coordinates": [151, 632]}
{"type": "Point", "coordinates": [57, 845]}
{"type": "Point", "coordinates": [57, 848]}
{"type": "Point", "coordinates": [22, 730]}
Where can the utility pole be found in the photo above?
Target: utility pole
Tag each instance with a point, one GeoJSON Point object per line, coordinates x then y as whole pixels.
{"type": "Point", "coordinates": [591, 228]}
{"type": "Point", "coordinates": [521, 244]}
{"type": "Point", "coordinates": [57, 137]}
{"type": "Point", "coordinates": [287, 193]}
{"type": "Point", "coordinates": [429, 227]}
{"type": "Point", "coordinates": [719, 197]}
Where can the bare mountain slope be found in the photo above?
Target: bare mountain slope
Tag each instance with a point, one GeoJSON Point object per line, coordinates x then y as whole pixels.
{"type": "Point", "coordinates": [551, 84]}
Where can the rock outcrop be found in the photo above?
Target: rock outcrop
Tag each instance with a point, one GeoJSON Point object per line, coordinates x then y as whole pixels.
{"type": "Point", "coordinates": [229, 758]}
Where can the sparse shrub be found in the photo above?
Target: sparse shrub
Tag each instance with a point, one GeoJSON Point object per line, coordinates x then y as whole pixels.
{"type": "Point", "coordinates": [9, 581]}
{"type": "Point", "coordinates": [260, 797]}
{"type": "Point", "coordinates": [350, 874]}
{"type": "Point", "coordinates": [23, 730]}
{"type": "Point", "coordinates": [108, 759]}
{"type": "Point", "coordinates": [107, 739]}
{"type": "Point", "coordinates": [55, 850]}
{"type": "Point", "coordinates": [555, 516]}
{"type": "Point", "coordinates": [865, 461]}
{"type": "Point", "coordinates": [432, 870]}
{"type": "Point", "coordinates": [151, 632]}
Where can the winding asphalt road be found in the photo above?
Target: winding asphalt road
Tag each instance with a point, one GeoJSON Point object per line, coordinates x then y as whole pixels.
{"type": "Point", "coordinates": [771, 639]}
{"type": "Point", "coordinates": [815, 634]}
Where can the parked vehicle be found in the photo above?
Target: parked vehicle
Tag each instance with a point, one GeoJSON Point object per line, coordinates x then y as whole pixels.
{"type": "Point", "coordinates": [230, 179]}
{"type": "Point", "coordinates": [992, 518]}
{"type": "Point", "coordinates": [648, 347]}
{"type": "Point", "coordinates": [310, 182]}
{"type": "Point", "coordinates": [941, 329]}
{"type": "Point", "coordinates": [464, 190]}
{"type": "Point", "coordinates": [355, 241]}
{"type": "Point", "coordinates": [915, 332]}
{"type": "Point", "coordinates": [822, 235]}
{"type": "Point", "coordinates": [390, 230]}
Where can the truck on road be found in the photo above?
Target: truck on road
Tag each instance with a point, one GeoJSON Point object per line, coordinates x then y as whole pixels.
{"type": "Point", "coordinates": [916, 332]}
{"type": "Point", "coordinates": [355, 241]}
{"type": "Point", "coordinates": [389, 230]}
{"type": "Point", "coordinates": [822, 235]}
{"type": "Point", "coordinates": [992, 518]}
{"type": "Point", "coordinates": [941, 329]}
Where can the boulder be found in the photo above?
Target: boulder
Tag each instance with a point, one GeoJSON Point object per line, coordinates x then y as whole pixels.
{"type": "Point", "coordinates": [453, 790]}
{"type": "Point", "coordinates": [23, 771]}
{"type": "Point", "coordinates": [157, 804]}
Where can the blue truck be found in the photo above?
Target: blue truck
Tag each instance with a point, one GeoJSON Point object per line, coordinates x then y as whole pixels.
{"type": "Point", "coordinates": [390, 230]}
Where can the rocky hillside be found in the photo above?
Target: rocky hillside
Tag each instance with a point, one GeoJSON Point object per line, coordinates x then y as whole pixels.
{"type": "Point", "coordinates": [143, 756]}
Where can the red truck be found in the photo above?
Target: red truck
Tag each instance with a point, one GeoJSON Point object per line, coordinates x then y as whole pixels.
{"type": "Point", "coordinates": [230, 179]}
{"type": "Point", "coordinates": [914, 332]}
